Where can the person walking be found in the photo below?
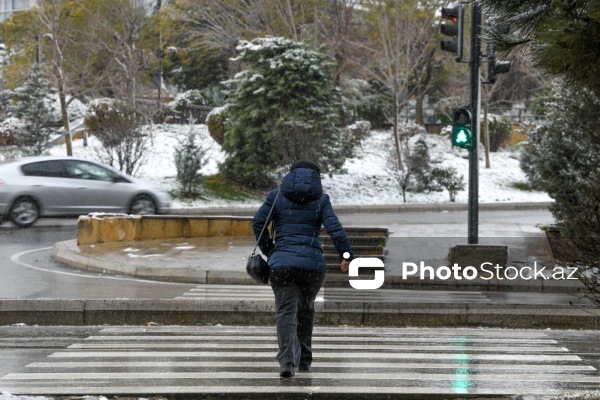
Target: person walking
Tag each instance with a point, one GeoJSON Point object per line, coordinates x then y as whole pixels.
{"type": "Point", "coordinates": [297, 264]}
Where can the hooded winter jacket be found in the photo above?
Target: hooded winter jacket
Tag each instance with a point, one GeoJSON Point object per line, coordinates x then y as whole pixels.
{"type": "Point", "coordinates": [300, 210]}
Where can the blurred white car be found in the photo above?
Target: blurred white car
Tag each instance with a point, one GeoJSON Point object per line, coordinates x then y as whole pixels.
{"type": "Point", "coordinates": [36, 187]}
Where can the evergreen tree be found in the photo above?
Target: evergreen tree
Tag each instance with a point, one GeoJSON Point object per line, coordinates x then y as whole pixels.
{"type": "Point", "coordinates": [190, 157]}
{"type": "Point", "coordinates": [420, 160]}
{"type": "Point", "coordinates": [33, 105]}
{"type": "Point", "coordinates": [283, 107]}
{"type": "Point", "coordinates": [565, 153]}
{"type": "Point", "coordinates": [564, 36]}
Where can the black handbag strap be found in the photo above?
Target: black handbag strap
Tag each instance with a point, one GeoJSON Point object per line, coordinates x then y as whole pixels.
{"type": "Point", "coordinates": [266, 222]}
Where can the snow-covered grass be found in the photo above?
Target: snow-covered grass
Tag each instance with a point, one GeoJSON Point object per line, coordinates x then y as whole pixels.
{"type": "Point", "coordinates": [366, 181]}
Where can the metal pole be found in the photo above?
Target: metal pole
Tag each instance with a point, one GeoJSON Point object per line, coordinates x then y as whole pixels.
{"type": "Point", "coordinates": [37, 49]}
{"type": "Point", "coordinates": [473, 214]}
{"type": "Point", "coordinates": [160, 68]}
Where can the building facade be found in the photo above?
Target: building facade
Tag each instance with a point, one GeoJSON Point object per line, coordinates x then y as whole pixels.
{"type": "Point", "coordinates": [7, 7]}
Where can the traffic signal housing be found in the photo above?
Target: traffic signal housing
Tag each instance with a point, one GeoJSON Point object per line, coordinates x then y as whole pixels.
{"type": "Point", "coordinates": [495, 66]}
{"type": "Point", "coordinates": [455, 29]}
{"type": "Point", "coordinates": [461, 128]}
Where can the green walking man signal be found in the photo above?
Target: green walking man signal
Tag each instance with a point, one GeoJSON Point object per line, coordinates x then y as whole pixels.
{"type": "Point", "coordinates": [461, 128]}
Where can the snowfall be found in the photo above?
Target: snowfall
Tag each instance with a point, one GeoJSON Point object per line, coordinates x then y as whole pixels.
{"type": "Point", "coordinates": [366, 180]}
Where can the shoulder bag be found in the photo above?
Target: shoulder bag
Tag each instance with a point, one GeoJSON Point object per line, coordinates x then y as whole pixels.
{"type": "Point", "coordinates": [256, 266]}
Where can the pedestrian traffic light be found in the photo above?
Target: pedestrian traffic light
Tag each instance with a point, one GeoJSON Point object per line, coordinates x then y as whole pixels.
{"type": "Point", "coordinates": [461, 128]}
{"type": "Point", "coordinates": [495, 66]}
{"type": "Point", "coordinates": [454, 29]}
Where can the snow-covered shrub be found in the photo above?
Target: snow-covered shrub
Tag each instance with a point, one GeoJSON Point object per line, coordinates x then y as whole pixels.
{"type": "Point", "coordinates": [33, 107]}
{"type": "Point", "coordinates": [120, 129]}
{"type": "Point", "coordinates": [566, 155]}
{"type": "Point", "coordinates": [450, 179]}
{"type": "Point", "coordinates": [192, 97]}
{"type": "Point", "coordinates": [527, 154]}
{"type": "Point", "coordinates": [375, 107]}
{"type": "Point", "coordinates": [421, 165]}
{"type": "Point", "coordinates": [283, 107]}
{"type": "Point", "coordinates": [500, 130]}
{"type": "Point", "coordinates": [190, 157]}
{"type": "Point", "coordinates": [358, 131]}
{"type": "Point", "coordinates": [216, 121]}
{"type": "Point", "coordinates": [7, 128]}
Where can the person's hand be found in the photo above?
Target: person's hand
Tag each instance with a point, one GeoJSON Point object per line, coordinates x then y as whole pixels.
{"type": "Point", "coordinates": [345, 265]}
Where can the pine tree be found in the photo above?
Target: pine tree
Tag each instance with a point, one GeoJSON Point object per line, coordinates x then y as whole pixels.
{"type": "Point", "coordinates": [565, 153]}
{"type": "Point", "coordinates": [563, 36]}
{"type": "Point", "coordinates": [190, 157]}
{"type": "Point", "coordinates": [283, 107]}
{"type": "Point", "coordinates": [33, 105]}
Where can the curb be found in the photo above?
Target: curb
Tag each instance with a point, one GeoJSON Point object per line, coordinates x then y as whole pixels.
{"type": "Point", "coordinates": [67, 252]}
{"type": "Point", "coordinates": [184, 312]}
{"type": "Point", "coordinates": [366, 209]}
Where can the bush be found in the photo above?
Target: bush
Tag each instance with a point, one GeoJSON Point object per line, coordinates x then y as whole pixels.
{"type": "Point", "coordinates": [565, 154]}
{"type": "Point", "coordinates": [358, 131]}
{"type": "Point", "coordinates": [421, 165]}
{"type": "Point", "coordinates": [449, 179]}
{"type": "Point", "coordinates": [376, 109]}
{"type": "Point", "coordinates": [192, 97]}
{"type": "Point", "coordinates": [527, 156]}
{"type": "Point", "coordinates": [216, 122]}
{"type": "Point", "coordinates": [190, 157]}
{"type": "Point", "coordinates": [500, 132]}
{"type": "Point", "coordinates": [284, 107]}
{"type": "Point", "coordinates": [120, 129]}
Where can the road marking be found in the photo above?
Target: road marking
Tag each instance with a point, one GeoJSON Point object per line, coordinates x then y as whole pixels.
{"type": "Point", "coordinates": [273, 346]}
{"type": "Point", "coordinates": [353, 339]}
{"type": "Point", "coordinates": [15, 258]}
{"type": "Point", "coordinates": [318, 365]}
{"type": "Point", "coordinates": [122, 360]}
{"type": "Point", "coordinates": [250, 354]}
{"type": "Point", "coordinates": [341, 391]}
{"type": "Point", "coordinates": [333, 331]}
{"type": "Point", "coordinates": [204, 291]}
{"type": "Point", "coordinates": [399, 376]}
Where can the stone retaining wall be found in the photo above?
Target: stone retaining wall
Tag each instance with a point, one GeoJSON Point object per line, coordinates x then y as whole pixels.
{"type": "Point", "coordinates": [104, 228]}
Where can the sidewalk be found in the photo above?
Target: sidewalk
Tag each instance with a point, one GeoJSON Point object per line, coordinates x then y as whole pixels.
{"type": "Point", "coordinates": [221, 260]}
{"type": "Point", "coordinates": [519, 303]}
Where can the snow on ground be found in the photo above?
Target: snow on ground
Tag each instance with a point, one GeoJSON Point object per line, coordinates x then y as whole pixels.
{"type": "Point", "coordinates": [365, 182]}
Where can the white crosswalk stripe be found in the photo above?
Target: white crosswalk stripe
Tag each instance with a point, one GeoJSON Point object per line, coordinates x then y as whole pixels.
{"type": "Point", "coordinates": [238, 362]}
{"type": "Point", "coordinates": [255, 292]}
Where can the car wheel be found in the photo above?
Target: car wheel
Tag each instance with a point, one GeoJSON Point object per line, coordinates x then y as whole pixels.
{"type": "Point", "coordinates": [142, 205]}
{"type": "Point", "coordinates": [24, 212]}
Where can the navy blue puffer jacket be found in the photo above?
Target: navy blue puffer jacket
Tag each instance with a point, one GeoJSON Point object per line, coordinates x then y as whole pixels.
{"type": "Point", "coordinates": [299, 212]}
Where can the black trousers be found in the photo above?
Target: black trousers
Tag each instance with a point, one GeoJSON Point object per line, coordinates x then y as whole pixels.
{"type": "Point", "coordinates": [295, 291]}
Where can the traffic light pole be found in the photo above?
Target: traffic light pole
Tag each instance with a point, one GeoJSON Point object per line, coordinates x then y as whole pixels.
{"type": "Point", "coordinates": [473, 211]}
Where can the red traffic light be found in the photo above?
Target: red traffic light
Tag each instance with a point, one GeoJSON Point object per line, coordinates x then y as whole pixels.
{"type": "Point", "coordinates": [451, 13]}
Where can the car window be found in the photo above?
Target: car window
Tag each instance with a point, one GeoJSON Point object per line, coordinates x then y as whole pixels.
{"type": "Point", "coordinates": [86, 170]}
{"type": "Point", "coordinates": [53, 168]}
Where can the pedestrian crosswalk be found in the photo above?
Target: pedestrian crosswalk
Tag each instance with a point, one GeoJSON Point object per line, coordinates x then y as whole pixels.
{"type": "Point", "coordinates": [239, 362]}
{"type": "Point", "coordinates": [264, 292]}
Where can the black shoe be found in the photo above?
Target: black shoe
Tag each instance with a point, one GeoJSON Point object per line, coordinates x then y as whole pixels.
{"type": "Point", "coordinates": [287, 371]}
{"type": "Point", "coordinates": [304, 367]}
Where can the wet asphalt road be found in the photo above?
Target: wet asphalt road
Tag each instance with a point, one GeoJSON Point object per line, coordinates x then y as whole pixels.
{"type": "Point", "coordinates": [26, 260]}
{"type": "Point", "coordinates": [29, 272]}
{"type": "Point", "coordinates": [350, 362]}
